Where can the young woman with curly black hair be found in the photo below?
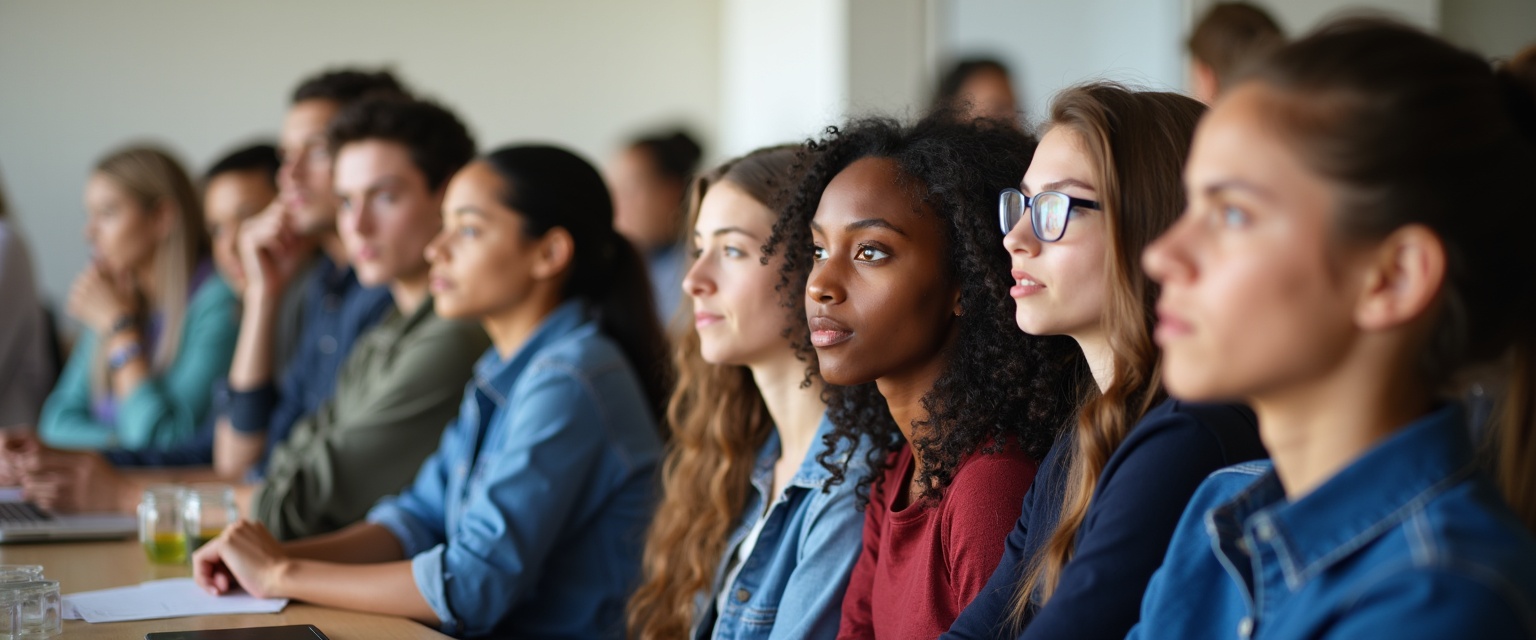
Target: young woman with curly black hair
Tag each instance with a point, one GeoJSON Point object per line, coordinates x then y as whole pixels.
{"type": "Point", "coordinates": [1104, 182]}
{"type": "Point", "coordinates": [891, 246]}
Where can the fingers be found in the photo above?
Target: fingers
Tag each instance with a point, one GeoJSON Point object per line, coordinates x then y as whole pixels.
{"type": "Point", "coordinates": [208, 569]}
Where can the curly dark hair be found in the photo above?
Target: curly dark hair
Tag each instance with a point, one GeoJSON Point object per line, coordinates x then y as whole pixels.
{"type": "Point", "coordinates": [346, 86]}
{"type": "Point", "coordinates": [1000, 387]}
{"type": "Point", "coordinates": [438, 141]}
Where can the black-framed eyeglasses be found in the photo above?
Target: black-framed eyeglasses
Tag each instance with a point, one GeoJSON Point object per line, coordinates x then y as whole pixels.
{"type": "Point", "coordinates": [1049, 211]}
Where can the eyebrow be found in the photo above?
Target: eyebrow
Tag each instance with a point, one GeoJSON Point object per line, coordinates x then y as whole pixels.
{"type": "Point", "coordinates": [724, 230]}
{"type": "Point", "coordinates": [1237, 185]}
{"type": "Point", "coordinates": [1062, 184]}
{"type": "Point", "coordinates": [468, 210]}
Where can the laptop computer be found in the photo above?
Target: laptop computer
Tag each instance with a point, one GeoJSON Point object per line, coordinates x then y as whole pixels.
{"type": "Point", "coordinates": [22, 521]}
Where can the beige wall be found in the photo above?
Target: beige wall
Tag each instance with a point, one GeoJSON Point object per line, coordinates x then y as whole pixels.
{"type": "Point", "coordinates": [78, 77]}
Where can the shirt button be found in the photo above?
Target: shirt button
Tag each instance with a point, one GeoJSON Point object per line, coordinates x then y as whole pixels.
{"type": "Point", "coordinates": [1265, 531]}
{"type": "Point", "coordinates": [1245, 627]}
{"type": "Point", "coordinates": [742, 595]}
{"type": "Point", "coordinates": [327, 345]}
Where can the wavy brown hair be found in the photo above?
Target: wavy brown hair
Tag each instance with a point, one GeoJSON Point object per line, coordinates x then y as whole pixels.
{"type": "Point", "coordinates": [719, 422]}
{"type": "Point", "coordinates": [1136, 142]}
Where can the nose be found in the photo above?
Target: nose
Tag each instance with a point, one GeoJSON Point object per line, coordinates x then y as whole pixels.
{"type": "Point", "coordinates": [697, 281]}
{"type": "Point", "coordinates": [437, 250]}
{"type": "Point", "coordinates": [1021, 239]}
{"type": "Point", "coordinates": [1167, 258]}
{"type": "Point", "coordinates": [288, 170]}
{"type": "Point", "coordinates": [824, 285]}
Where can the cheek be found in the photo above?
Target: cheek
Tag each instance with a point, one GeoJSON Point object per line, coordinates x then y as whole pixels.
{"type": "Point", "coordinates": [1260, 324]}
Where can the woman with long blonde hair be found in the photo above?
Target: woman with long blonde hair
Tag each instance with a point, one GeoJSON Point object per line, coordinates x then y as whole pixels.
{"type": "Point", "coordinates": [160, 325]}
{"type": "Point", "coordinates": [1103, 183]}
{"type": "Point", "coordinates": [747, 528]}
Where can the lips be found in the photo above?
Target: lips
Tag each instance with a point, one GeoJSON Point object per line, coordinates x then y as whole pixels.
{"type": "Point", "coordinates": [703, 319]}
{"type": "Point", "coordinates": [826, 332]}
{"type": "Point", "coordinates": [440, 283]}
{"type": "Point", "coordinates": [1170, 326]}
{"type": "Point", "coordinates": [1024, 284]}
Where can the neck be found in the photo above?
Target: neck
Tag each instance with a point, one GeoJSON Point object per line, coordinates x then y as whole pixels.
{"type": "Point", "coordinates": [904, 396]}
{"type": "Point", "coordinates": [148, 285]}
{"type": "Point", "coordinates": [409, 292]}
{"type": "Point", "coordinates": [796, 411]}
{"type": "Point", "coordinates": [1101, 359]}
{"type": "Point", "coordinates": [331, 244]}
{"type": "Point", "coordinates": [509, 329]}
{"type": "Point", "coordinates": [1313, 431]}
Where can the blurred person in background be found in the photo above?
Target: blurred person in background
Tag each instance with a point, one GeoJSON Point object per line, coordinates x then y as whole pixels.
{"type": "Point", "coordinates": [274, 247]}
{"type": "Point", "coordinates": [979, 88]}
{"type": "Point", "coordinates": [159, 324]}
{"type": "Point", "coordinates": [649, 180]}
{"type": "Point", "coordinates": [27, 364]}
{"type": "Point", "coordinates": [1230, 36]}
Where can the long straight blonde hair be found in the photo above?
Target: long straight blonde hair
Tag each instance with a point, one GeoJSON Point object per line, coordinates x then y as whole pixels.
{"type": "Point", "coordinates": [155, 179]}
{"type": "Point", "coordinates": [1136, 142]}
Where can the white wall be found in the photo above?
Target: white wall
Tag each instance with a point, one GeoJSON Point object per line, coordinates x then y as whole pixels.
{"type": "Point", "coordinates": [1050, 44]}
{"type": "Point", "coordinates": [784, 70]}
{"type": "Point", "coordinates": [1497, 28]}
{"type": "Point", "coordinates": [79, 77]}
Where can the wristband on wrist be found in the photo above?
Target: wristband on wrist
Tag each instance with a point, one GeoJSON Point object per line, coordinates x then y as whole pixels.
{"type": "Point", "coordinates": [122, 323]}
{"type": "Point", "coordinates": [121, 356]}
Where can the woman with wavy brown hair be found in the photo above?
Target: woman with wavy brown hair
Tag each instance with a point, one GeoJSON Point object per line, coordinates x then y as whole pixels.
{"type": "Point", "coordinates": [747, 527]}
{"type": "Point", "coordinates": [1103, 183]}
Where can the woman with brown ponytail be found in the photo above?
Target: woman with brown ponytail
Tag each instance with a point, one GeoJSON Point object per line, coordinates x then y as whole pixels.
{"type": "Point", "coordinates": [745, 529]}
{"type": "Point", "coordinates": [1342, 269]}
{"type": "Point", "coordinates": [1103, 183]}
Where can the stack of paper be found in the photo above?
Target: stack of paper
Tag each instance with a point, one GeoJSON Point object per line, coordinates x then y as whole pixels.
{"type": "Point", "coordinates": [173, 598]}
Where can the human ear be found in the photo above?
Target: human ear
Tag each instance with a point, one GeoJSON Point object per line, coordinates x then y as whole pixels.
{"type": "Point", "coordinates": [553, 253]}
{"type": "Point", "coordinates": [1403, 278]}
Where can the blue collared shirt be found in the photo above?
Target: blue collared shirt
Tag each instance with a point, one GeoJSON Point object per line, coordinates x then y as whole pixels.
{"type": "Point", "coordinates": [1408, 541]}
{"type": "Point", "coordinates": [337, 310]}
{"type": "Point", "coordinates": [530, 517]}
{"type": "Point", "coordinates": [800, 562]}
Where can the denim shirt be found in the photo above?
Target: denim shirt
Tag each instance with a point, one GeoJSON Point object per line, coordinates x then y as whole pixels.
{"type": "Point", "coordinates": [1409, 540]}
{"type": "Point", "coordinates": [800, 564]}
{"type": "Point", "coordinates": [530, 517]}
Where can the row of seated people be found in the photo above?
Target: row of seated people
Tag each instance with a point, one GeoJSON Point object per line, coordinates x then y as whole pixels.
{"type": "Point", "coordinates": [1164, 371]}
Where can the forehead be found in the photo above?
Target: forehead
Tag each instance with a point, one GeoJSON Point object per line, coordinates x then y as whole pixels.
{"type": "Point", "coordinates": [365, 161]}
{"type": "Point", "coordinates": [306, 121]}
{"type": "Point", "coordinates": [1239, 139]}
{"type": "Point", "coordinates": [1060, 156]}
{"type": "Point", "coordinates": [872, 188]}
{"type": "Point", "coordinates": [727, 205]}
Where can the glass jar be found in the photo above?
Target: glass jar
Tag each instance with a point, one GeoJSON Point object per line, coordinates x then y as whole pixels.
{"type": "Point", "coordinates": [34, 608]}
{"type": "Point", "coordinates": [161, 526]}
{"type": "Point", "coordinates": [21, 572]}
{"type": "Point", "coordinates": [208, 508]}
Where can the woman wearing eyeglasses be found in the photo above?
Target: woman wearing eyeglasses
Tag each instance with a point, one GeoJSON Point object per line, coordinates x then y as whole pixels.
{"type": "Point", "coordinates": [1103, 183]}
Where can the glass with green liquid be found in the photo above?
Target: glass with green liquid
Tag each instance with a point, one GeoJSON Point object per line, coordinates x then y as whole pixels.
{"type": "Point", "coordinates": [162, 529]}
{"type": "Point", "coordinates": [208, 508]}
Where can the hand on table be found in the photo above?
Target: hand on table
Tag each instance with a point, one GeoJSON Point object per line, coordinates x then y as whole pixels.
{"type": "Point", "coordinates": [244, 555]}
{"type": "Point", "coordinates": [67, 481]}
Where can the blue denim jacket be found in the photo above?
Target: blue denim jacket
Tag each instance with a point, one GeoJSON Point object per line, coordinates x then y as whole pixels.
{"type": "Point", "coordinates": [530, 517]}
{"type": "Point", "coordinates": [1408, 541]}
{"type": "Point", "coordinates": [802, 558]}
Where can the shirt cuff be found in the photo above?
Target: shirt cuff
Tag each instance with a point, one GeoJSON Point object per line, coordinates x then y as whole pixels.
{"type": "Point", "coordinates": [413, 539]}
{"type": "Point", "coordinates": [250, 411]}
{"type": "Point", "coordinates": [432, 581]}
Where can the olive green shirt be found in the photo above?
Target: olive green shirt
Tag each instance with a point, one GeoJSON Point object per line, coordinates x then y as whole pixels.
{"type": "Point", "coordinates": [396, 392]}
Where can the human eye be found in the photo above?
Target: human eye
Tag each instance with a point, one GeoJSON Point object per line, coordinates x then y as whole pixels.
{"type": "Point", "coordinates": [867, 253]}
{"type": "Point", "coordinates": [733, 252]}
{"type": "Point", "coordinates": [696, 252]}
{"type": "Point", "coordinates": [818, 253]}
{"type": "Point", "coordinates": [1233, 217]}
{"type": "Point", "coordinates": [469, 232]}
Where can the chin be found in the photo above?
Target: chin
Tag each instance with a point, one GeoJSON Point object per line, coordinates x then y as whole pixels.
{"type": "Point", "coordinates": [834, 371]}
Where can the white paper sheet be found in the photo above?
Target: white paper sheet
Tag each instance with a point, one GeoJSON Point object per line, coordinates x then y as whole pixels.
{"type": "Point", "coordinates": [172, 598]}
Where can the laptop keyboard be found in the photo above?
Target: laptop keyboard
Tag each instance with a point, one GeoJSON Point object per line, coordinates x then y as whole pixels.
{"type": "Point", "coordinates": [18, 515]}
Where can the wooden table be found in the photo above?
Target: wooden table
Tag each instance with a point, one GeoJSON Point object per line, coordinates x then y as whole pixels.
{"type": "Point", "coordinates": [87, 566]}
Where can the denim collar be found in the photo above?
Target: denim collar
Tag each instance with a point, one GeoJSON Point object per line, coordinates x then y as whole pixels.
{"type": "Point", "coordinates": [1368, 498]}
{"type": "Point", "coordinates": [494, 376]}
{"type": "Point", "coordinates": [811, 474]}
